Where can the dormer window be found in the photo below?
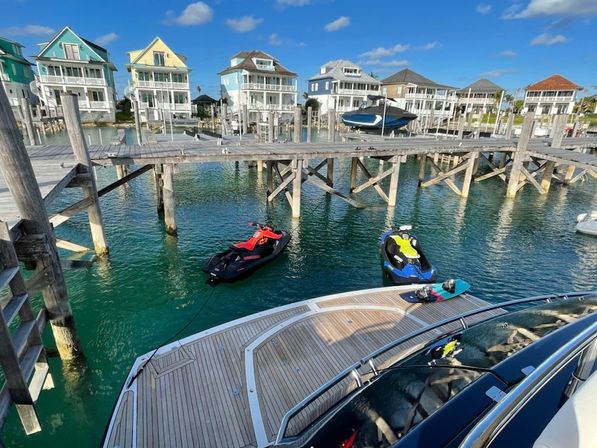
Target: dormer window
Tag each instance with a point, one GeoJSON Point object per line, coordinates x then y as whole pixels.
{"type": "Point", "coordinates": [264, 64]}
{"type": "Point", "coordinates": [351, 71]}
{"type": "Point", "coordinates": [71, 51]}
{"type": "Point", "coordinates": [159, 58]}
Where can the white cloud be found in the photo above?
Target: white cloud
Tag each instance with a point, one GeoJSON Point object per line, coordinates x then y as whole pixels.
{"type": "Point", "coordinates": [512, 11]}
{"type": "Point", "coordinates": [292, 2]}
{"type": "Point", "coordinates": [496, 73]}
{"type": "Point", "coordinates": [27, 30]}
{"type": "Point", "coordinates": [194, 14]}
{"type": "Point", "coordinates": [106, 39]}
{"type": "Point", "coordinates": [244, 24]}
{"type": "Point", "coordinates": [274, 39]}
{"type": "Point", "coordinates": [549, 39]}
{"type": "Point", "coordinates": [339, 23]}
{"type": "Point", "coordinates": [484, 8]}
{"type": "Point", "coordinates": [508, 53]}
{"type": "Point", "coordinates": [431, 45]}
{"type": "Point", "coordinates": [380, 63]}
{"type": "Point", "coordinates": [559, 7]}
{"type": "Point", "coordinates": [382, 52]}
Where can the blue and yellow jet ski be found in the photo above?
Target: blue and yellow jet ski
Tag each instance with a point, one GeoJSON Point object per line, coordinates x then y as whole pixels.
{"type": "Point", "coordinates": [403, 258]}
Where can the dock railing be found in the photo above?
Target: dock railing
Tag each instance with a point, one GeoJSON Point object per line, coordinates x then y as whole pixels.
{"type": "Point", "coordinates": [368, 360]}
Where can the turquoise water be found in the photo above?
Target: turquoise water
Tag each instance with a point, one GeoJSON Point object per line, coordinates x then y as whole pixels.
{"type": "Point", "coordinates": [152, 283]}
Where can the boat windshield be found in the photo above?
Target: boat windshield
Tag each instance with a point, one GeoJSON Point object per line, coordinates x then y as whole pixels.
{"type": "Point", "coordinates": [409, 392]}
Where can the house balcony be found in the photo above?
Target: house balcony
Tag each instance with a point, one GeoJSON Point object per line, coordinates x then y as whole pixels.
{"type": "Point", "coordinates": [431, 96]}
{"type": "Point", "coordinates": [161, 85]}
{"type": "Point", "coordinates": [354, 92]}
{"type": "Point", "coordinates": [277, 107]}
{"type": "Point", "coordinates": [548, 99]}
{"type": "Point", "coordinates": [182, 107]}
{"type": "Point", "coordinates": [95, 105]}
{"type": "Point", "coordinates": [268, 87]}
{"type": "Point", "coordinates": [71, 80]}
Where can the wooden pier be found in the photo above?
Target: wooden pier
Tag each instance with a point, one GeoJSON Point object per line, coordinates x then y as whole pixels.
{"type": "Point", "coordinates": [233, 384]}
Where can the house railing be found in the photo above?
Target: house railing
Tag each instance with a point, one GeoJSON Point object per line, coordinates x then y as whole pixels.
{"type": "Point", "coordinates": [356, 92]}
{"type": "Point", "coordinates": [185, 107]}
{"type": "Point", "coordinates": [369, 360]}
{"type": "Point", "coordinates": [94, 104]}
{"type": "Point", "coordinates": [260, 106]}
{"type": "Point", "coordinates": [162, 85]}
{"type": "Point", "coordinates": [270, 87]}
{"type": "Point", "coordinates": [72, 80]}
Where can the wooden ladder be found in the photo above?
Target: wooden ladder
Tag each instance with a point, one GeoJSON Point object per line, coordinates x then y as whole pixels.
{"type": "Point", "coordinates": [22, 354]}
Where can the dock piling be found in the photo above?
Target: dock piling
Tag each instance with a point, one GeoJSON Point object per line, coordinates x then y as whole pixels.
{"type": "Point", "coordinates": [169, 202]}
{"type": "Point", "coordinates": [297, 168]}
{"type": "Point", "coordinates": [72, 119]}
{"type": "Point", "coordinates": [28, 120]}
{"type": "Point", "coordinates": [520, 154]}
{"type": "Point", "coordinates": [394, 177]}
{"type": "Point", "coordinates": [298, 122]}
{"type": "Point", "coordinates": [331, 125]}
{"type": "Point", "coordinates": [20, 178]}
{"type": "Point", "coordinates": [270, 126]}
{"type": "Point", "coordinates": [137, 114]}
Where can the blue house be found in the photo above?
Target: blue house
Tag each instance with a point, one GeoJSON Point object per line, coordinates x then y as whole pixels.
{"type": "Point", "coordinates": [15, 72]}
{"type": "Point", "coordinates": [343, 86]}
{"type": "Point", "coordinates": [69, 63]}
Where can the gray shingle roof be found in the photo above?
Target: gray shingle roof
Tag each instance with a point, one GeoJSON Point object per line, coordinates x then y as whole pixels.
{"type": "Point", "coordinates": [408, 76]}
{"type": "Point", "coordinates": [334, 70]}
{"type": "Point", "coordinates": [481, 86]}
{"type": "Point", "coordinates": [247, 64]}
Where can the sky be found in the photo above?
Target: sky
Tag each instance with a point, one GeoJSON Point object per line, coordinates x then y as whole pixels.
{"type": "Point", "coordinates": [514, 43]}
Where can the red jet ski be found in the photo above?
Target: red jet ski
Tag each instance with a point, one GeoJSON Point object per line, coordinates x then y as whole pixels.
{"type": "Point", "coordinates": [245, 257]}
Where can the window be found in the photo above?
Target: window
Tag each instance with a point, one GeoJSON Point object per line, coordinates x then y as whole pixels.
{"type": "Point", "coordinates": [179, 98]}
{"type": "Point", "coordinates": [147, 98]}
{"type": "Point", "coordinates": [71, 51]}
{"type": "Point", "coordinates": [57, 96]}
{"type": "Point", "coordinates": [351, 71]}
{"type": "Point", "coordinates": [54, 70]}
{"type": "Point", "coordinates": [314, 87]}
{"type": "Point", "coordinates": [264, 64]}
{"type": "Point", "coordinates": [161, 77]}
{"type": "Point", "coordinates": [93, 72]}
{"type": "Point", "coordinates": [74, 72]}
{"type": "Point", "coordinates": [178, 77]}
{"type": "Point", "coordinates": [97, 95]}
{"type": "Point", "coordinates": [159, 58]}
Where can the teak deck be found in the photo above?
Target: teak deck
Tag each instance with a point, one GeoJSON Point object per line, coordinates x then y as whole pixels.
{"type": "Point", "coordinates": [231, 385]}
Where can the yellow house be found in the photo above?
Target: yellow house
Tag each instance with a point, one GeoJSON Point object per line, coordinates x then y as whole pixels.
{"type": "Point", "coordinates": [160, 82]}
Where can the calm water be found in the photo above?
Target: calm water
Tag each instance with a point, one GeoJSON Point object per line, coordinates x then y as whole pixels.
{"type": "Point", "coordinates": [152, 283]}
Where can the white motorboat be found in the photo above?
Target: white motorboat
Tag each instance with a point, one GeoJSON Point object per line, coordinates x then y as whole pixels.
{"type": "Point", "coordinates": [587, 223]}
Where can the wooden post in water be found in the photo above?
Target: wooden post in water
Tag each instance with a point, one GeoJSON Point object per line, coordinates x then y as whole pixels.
{"type": "Point", "coordinates": [223, 117]}
{"type": "Point", "coordinates": [121, 171]}
{"type": "Point", "coordinates": [468, 174]}
{"type": "Point", "coordinates": [296, 187]}
{"type": "Point", "coordinates": [559, 124]}
{"type": "Point", "coordinates": [353, 173]}
{"type": "Point", "coordinates": [509, 125]}
{"type": "Point", "coordinates": [72, 120]}
{"type": "Point", "coordinates": [137, 114]}
{"type": "Point", "coordinates": [169, 203]}
{"type": "Point", "coordinates": [270, 176]}
{"type": "Point", "coordinates": [331, 125]}
{"type": "Point", "coordinates": [270, 126]}
{"type": "Point", "coordinates": [20, 179]}
{"type": "Point", "coordinates": [159, 187]}
{"type": "Point", "coordinates": [461, 121]}
{"type": "Point", "coordinates": [245, 118]}
{"type": "Point", "coordinates": [298, 124]}
{"type": "Point", "coordinates": [309, 123]}
{"type": "Point", "coordinates": [393, 191]}
{"type": "Point", "coordinates": [520, 154]}
{"type": "Point", "coordinates": [27, 120]}
{"type": "Point", "coordinates": [422, 166]}
{"type": "Point", "coordinates": [330, 171]}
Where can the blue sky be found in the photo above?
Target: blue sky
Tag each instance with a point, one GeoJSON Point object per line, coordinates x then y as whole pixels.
{"type": "Point", "coordinates": [512, 42]}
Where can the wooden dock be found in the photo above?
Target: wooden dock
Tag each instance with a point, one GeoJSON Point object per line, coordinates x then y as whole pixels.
{"type": "Point", "coordinates": [232, 385]}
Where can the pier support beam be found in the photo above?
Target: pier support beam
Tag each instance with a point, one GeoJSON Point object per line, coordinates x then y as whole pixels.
{"type": "Point", "coordinates": [121, 171]}
{"type": "Point", "coordinates": [297, 168]}
{"type": "Point", "coordinates": [20, 179]}
{"type": "Point", "coordinates": [468, 174]}
{"type": "Point", "coordinates": [72, 119]}
{"type": "Point", "coordinates": [520, 154]}
{"type": "Point", "coordinates": [422, 166]}
{"type": "Point", "coordinates": [353, 173]}
{"type": "Point", "coordinates": [509, 125]}
{"type": "Point", "coordinates": [557, 131]}
{"type": "Point", "coordinates": [159, 187]}
{"type": "Point", "coordinates": [394, 177]}
{"type": "Point", "coordinates": [245, 118]}
{"type": "Point", "coordinates": [27, 120]}
{"type": "Point", "coordinates": [169, 202]}
{"type": "Point", "coordinates": [137, 113]}
{"type": "Point", "coordinates": [330, 172]}
{"type": "Point", "coordinates": [270, 127]}
{"type": "Point", "coordinates": [269, 176]}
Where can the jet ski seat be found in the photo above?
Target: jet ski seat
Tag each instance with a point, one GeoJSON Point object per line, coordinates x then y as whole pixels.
{"type": "Point", "coordinates": [405, 246]}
